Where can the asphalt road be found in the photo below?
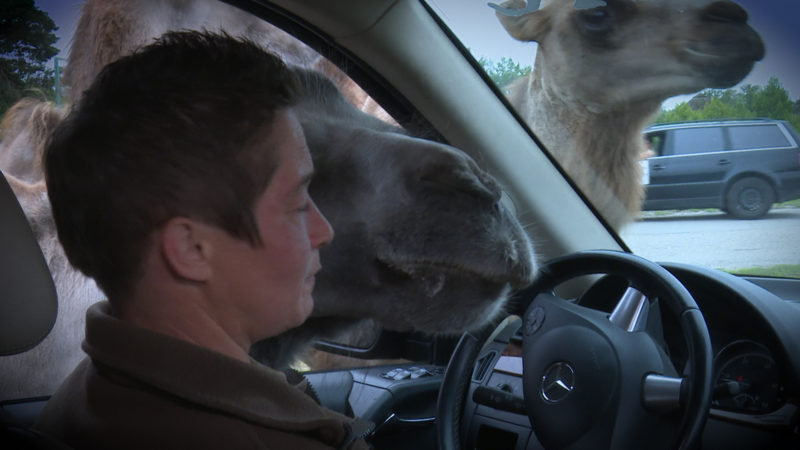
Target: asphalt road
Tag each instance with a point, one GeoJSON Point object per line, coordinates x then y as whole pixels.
{"type": "Point", "coordinates": [715, 240]}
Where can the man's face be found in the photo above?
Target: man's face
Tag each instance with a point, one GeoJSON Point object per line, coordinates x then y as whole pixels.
{"type": "Point", "coordinates": [267, 289]}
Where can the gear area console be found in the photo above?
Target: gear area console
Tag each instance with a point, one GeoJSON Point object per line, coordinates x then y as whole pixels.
{"type": "Point", "coordinates": [399, 399]}
{"type": "Point", "coordinates": [494, 413]}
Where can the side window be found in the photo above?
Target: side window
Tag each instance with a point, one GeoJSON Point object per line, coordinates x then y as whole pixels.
{"type": "Point", "coordinates": [757, 136]}
{"type": "Point", "coordinates": [654, 143]}
{"type": "Point", "coordinates": [697, 140]}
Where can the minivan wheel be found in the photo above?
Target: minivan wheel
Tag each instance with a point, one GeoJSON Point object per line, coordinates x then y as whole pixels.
{"type": "Point", "coordinates": [749, 198]}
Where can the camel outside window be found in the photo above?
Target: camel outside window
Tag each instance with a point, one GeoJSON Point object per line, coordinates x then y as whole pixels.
{"type": "Point", "coordinates": [587, 77]}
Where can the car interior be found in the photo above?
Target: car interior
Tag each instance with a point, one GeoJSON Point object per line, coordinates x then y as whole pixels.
{"type": "Point", "coordinates": [701, 358]}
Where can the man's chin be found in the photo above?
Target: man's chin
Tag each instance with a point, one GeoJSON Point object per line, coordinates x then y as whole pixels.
{"type": "Point", "coordinates": [306, 307]}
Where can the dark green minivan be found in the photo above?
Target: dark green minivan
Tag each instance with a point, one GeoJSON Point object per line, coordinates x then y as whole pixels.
{"type": "Point", "coordinates": [739, 166]}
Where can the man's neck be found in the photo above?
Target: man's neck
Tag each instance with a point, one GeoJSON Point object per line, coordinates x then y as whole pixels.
{"type": "Point", "coordinates": [180, 311]}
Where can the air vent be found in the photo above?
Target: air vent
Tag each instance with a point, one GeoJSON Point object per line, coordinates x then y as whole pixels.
{"type": "Point", "coordinates": [482, 366]}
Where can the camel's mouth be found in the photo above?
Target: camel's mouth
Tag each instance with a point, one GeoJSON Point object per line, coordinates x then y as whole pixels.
{"type": "Point", "coordinates": [501, 258]}
{"type": "Point", "coordinates": [731, 46]}
{"type": "Point", "coordinates": [720, 70]}
{"type": "Point", "coordinates": [452, 298]}
{"type": "Point", "coordinates": [707, 54]}
{"type": "Point", "coordinates": [695, 53]}
{"type": "Point", "coordinates": [433, 275]}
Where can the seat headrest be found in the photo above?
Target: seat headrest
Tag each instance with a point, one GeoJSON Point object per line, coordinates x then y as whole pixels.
{"type": "Point", "coordinates": [28, 302]}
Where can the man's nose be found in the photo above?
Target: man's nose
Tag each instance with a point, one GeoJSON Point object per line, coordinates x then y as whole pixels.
{"type": "Point", "coordinates": [320, 230]}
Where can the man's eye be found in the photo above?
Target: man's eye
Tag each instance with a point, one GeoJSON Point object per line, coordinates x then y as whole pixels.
{"type": "Point", "coordinates": [304, 207]}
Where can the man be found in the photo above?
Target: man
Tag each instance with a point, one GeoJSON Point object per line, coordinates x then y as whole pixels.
{"type": "Point", "coordinates": [180, 183]}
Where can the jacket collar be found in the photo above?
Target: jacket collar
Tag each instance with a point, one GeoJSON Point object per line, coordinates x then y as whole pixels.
{"type": "Point", "coordinates": [253, 392]}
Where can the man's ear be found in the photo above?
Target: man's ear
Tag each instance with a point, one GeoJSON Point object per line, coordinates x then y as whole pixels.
{"type": "Point", "coordinates": [185, 249]}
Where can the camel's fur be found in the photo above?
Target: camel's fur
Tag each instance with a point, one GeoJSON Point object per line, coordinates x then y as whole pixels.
{"type": "Point", "coordinates": [422, 239]}
{"type": "Point", "coordinates": [23, 132]}
{"type": "Point", "coordinates": [590, 94]}
{"type": "Point", "coordinates": [108, 29]}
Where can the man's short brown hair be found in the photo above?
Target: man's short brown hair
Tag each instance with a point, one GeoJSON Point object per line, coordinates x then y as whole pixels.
{"type": "Point", "coordinates": [164, 132]}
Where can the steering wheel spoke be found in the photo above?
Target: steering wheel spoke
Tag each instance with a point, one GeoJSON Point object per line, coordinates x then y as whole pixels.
{"type": "Point", "coordinates": [662, 394]}
{"type": "Point", "coordinates": [630, 313]}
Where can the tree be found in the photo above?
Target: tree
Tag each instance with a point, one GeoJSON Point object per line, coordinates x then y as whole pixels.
{"type": "Point", "coordinates": [768, 101]}
{"type": "Point", "coordinates": [26, 44]}
{"type": "Point", "coordinates": [504, 72]}
{"type": "Point", "coordinates": [772, 101]}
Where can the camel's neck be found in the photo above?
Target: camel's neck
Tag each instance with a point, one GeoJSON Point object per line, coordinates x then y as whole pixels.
{"type": "Point", "coordinates": [576, 127]}
{"type": "Point", "coordinates": [598, 147]}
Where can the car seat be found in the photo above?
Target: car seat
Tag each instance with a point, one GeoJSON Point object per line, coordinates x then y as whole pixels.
{"type": "Point", "coordinates": [28, 306]}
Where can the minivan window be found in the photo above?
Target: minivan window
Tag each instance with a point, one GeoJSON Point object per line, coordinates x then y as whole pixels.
{"type": "Point", "coordinates": [697, 140]}
{"type": "Point", "coordinates": [757, 136]}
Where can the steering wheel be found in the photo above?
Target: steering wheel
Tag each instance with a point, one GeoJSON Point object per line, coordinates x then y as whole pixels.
{"type": "Point", "coordinates": [595, 380]}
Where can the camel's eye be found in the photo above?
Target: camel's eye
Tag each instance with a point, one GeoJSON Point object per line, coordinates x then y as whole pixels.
{"type": "Point", "coordinates": [596, 21]}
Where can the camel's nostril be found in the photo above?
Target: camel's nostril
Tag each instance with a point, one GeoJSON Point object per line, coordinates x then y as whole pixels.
{"type": "Point", "coordinates": [724, 11]}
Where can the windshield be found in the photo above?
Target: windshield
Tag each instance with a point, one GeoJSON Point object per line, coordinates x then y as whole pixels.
{"type": "Point", "coordinates": [677, 119]}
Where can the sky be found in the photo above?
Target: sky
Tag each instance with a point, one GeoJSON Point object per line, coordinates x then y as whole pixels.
{"type": "Point", "coordinates": [777, 23]}
{"type": "Point", "coordinates": [65, 14]}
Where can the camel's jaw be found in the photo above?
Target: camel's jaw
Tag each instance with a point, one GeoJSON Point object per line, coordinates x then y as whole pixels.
{"type": "Point", "coordinates": [462, 290]}
{"type": "Point", "coordinates": [426, 280]}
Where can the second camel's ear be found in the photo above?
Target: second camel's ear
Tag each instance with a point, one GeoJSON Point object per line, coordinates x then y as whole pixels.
{"type": "Point", "coordinates": [527, 27]}
{"type": "Point", "coordinates": [186, 248]}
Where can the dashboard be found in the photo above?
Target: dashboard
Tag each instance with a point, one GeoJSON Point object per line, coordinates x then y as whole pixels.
{"type": "Point", "coordinates": [747, 379]}
{"type": "Point", "coordinates": [756, 381]}
{"type": "Point", "coordinates": [755, 337]}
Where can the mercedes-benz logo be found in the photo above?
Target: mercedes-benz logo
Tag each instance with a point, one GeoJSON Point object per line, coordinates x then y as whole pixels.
{"type": "Point", "coordinates": [557, 382]}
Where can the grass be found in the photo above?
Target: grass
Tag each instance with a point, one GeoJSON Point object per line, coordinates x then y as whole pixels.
{"type": "Point", "coordinates": [704, 210]}
{"type": "Point", "coordinates": [668, 212]}
{"type": "Point", "coordinates": [778, 271]}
